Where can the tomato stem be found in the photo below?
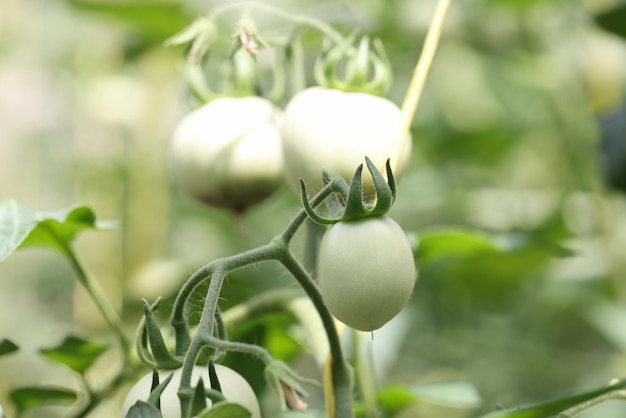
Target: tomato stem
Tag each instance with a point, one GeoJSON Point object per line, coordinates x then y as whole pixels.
{"type": "Point", "coordinates": [300, 20]}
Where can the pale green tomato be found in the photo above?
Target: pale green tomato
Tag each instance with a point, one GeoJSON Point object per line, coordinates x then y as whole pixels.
{"type": "Point", "coordinates": [228, 153]}
{"type": "Point", "coordinates": [366, 271]}
{"type": "Point", "coordinates": [234, 388]}
{"type": "Point", "coordinates": [333, 130]}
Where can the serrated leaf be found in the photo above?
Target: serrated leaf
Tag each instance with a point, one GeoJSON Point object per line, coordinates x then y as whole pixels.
{"type": "Point", "coordinates": [34, 396]}
{"type": "Point", "coordinates": [614, 20]}
{"type": "Point", "coordinates": [21, 226]}
{"type": "Point", "coordinates": [7, 347]}
{"type": "Point", "coordinates": [76, 353]}
{"type": "Point", "coordinates": [555, 406]}
{"type": "Point", "coordinates": [226, 410]}
{"type": "Point", "coordinates": [143, 409]}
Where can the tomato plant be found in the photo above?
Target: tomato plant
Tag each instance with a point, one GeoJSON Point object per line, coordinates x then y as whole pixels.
{"type": "Point", "coordinates": [357, 266]}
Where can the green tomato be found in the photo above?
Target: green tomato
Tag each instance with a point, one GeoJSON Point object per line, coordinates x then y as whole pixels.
{"type": "Point", "coordinates": [333, 130]}
{"type": "Point", "coordinates": [234, 388]}
{"type": "Point", "coordinates": [228, 153]}
{"type": "Point", "coordinates": [366, 271]}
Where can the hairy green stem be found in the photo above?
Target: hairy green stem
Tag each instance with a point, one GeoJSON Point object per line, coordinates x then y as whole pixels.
{"type": "Point", "coordinates": [268, 301]}
{"type": "Point", "coordinates": [277, 249]}
{"type": "Point", "coordinates": [342, 382]}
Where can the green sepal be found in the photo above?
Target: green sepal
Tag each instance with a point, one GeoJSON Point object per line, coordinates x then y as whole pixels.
{"type": "Point", "coordinates": [153, 385]}
{"type": "Point", "coordinates": [162, 357]}
{"type": "Point", "coordinates": [198, 400]}
{"type": "Point", "coordinates": [213, 379]}
{"type": "Point", "coordinates": [277, 373]}
{"type": "Point", "coordinates": [384, 192]}
{"type": "Point", "coordinates": [310, 211]}
{"type": "Point", "coordinates": [155, 394]}
{"type": "Point", "coordinates": [358, 63]}
{"type": "Point", "coordinates": [141, 340]}
{"type": "Point", "coordinates": [355, 208]}
{"type": "Point", "coordinates": [214, 395]}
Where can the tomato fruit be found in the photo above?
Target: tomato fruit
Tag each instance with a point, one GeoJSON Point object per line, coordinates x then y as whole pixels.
{"type": "Point", "coordinates": [234, 388]}
{"type": "Point", "coordinates": [334, 130]}
{"type": "Point", "coordinates": [228, 152]}
{"type": "Point", "coordinates": [366, 271]}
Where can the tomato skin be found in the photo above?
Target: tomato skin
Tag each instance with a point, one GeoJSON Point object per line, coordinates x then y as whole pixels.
{"type": "Point", "coordinates": [334, 130]}
{"type": "Point", "coordinates": [366, 271]}
{"type": "Point", "coordinates": [234, 387]}
{"type": "Point", "coordinates": [228, 153]}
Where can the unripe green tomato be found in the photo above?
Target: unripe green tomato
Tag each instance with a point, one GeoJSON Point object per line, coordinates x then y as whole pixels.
{"type": "Point", "coordinates": [333, 130]}
{"type": "Point", "coordinates": [234, 388]}
{"type": "Point", "coordinates": [228, 153]}
{"type": "Point", "coordinates": [366, 271]}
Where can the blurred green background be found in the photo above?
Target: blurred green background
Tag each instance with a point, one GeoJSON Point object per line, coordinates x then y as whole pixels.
{"type": "Point", "coordinates": [514, 197]}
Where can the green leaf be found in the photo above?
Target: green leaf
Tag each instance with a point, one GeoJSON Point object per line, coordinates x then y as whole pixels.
{"type": "Point", "coordinates": [226, 410]}
{"type": "Point", "coordinates": [471, 267]}
{"type": "Point", "coordinates": [396, 398]}
{"type": "Point", "coordinates": [437, 243]}
{"type": "Point", "coordinates": [451, 394]}
{"type": "Point", "coordinates": [21, 226]}
{"type": "Point", "coordinates": [76, 353]}
{"type": "Point", "coordinates": [552, 407]}
{"type": "Point", "coordinates": [155, 20]}
{"type": "Point", "coordinates": [143, 409]}
{"type": "Point", "coordinates": [7, 347]}
{"type": "Point", "coordinates": [32, 397]}
{"type": "Point", "coordinates": [614, 20]}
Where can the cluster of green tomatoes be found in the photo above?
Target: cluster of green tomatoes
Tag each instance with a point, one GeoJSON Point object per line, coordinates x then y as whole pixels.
{"type": "Point", "coordinates": [235, 151]}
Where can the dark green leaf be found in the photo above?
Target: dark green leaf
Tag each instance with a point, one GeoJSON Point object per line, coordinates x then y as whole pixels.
{"type": "Point", "coordinates": [21, 226]}
{"type": "Point", "coordinates": [226, 410]}
{"type": "Point", "coordinates": [76, 353]}
{"type": "Point", "coordinates": [614, 20]}
{"type": "Point", "coordinates": [155, 20]}
{"type": "Point", "coordinates": [32, 397]}
{"type": "Point", "coordinates": [552, 407]}
{"type": "Point", "coordinates": [143, 409]}
{"type": "Point", "coordinates": [7, 347]}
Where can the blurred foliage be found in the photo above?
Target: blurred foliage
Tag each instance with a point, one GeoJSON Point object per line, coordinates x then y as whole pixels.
{"type": "Point", "coordinates": [514, 197]}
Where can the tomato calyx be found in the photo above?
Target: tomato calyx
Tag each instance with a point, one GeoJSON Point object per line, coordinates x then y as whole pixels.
{"type": "Point", "coordinates": [287, 385]}
{"type": "Point", "coordinates": [356, 207]}
{"type": "Point", "coordinates": [367, 70]}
